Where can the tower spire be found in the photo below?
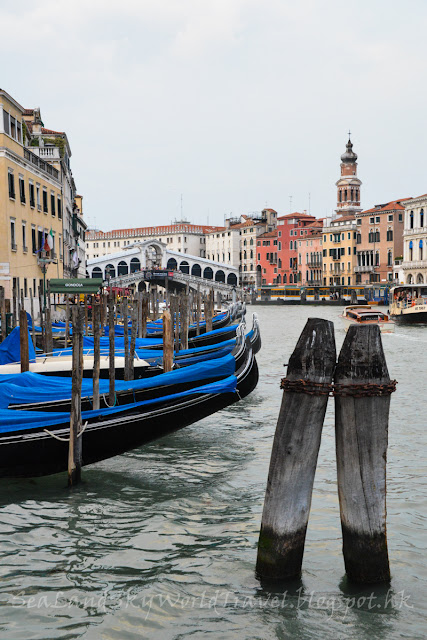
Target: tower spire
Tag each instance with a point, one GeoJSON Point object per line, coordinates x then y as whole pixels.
{"type": "Point", "coordinates": [348, 186]}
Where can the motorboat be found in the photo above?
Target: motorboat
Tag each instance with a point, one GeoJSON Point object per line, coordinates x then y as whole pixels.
{"type": "Point", "coordinates": [365, 314]}
{"type": "Point", "coordinates": [408, 303]}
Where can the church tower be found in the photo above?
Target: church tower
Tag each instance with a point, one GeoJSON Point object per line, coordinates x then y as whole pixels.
{"type": "Point", "coordinates": [348, 186]}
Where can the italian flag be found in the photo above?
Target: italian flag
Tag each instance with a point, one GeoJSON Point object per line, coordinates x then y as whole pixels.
{"type": "Point", "coordinates": [48, 245]}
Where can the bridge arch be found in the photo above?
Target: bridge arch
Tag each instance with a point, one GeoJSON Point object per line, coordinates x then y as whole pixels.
{"type": "Point", "coordinates": [110, 271]}
{"type": "Point", "coordinates": [122, 268]}
{"type": "Point", "coordinates": [232, 279]}
{"type": "Point", "coordinates": [97, 272]}
{"type": "Point", "coordinates": [184, 267]}
{"type": "Point", "coordinates": [220, 276]}
{"type": "Point", "coordinates": [196, 270]}
{"type": "Point", "coordinates": [172, 264]}
{"type": "Point", "coordinates": [135, 265]}
{"type": "Point", "coordinates": [208, 273]}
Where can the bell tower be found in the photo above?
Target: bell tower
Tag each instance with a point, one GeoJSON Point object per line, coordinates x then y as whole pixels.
{"type": "Point", "coordinates": [348, 186]}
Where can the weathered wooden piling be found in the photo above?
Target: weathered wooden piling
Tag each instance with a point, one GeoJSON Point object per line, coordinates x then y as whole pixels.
{"type": "Point", "coordinates": [75, 444]}
{"type": "Point", "coordinates": [23, 340]}
{"type": "Point", "coordinates": [198, 310]}
{"type": "Point", "coordinates": [111, 333]}
{"type": "Point", "coordinates": [133, 332]}
{"type": "Point", "coordinates": [184, 321]}
{"type": "Point", "coordinates": [362, 404]}
{"type": "Point", "coordinates": [3, 313]}
{"type": "Point", "coordinates": [15, 305]}
{"type": "Point", "coordinates": [295, 450]}
{"type": "Point", "coordinates": [177, 323]}
{"type": "Point", "coordinates": [67, 322]}
{"type": "Point", "coordinates": [33, 328]}
{"type": "Point", "coordinates": [168, 337]}
{"type": "Point", "coordinates": [86, 325]}
{"type": "Point", "coordinates": [125, 317]}
{"type": "Point", "coordinates": [96, 319]}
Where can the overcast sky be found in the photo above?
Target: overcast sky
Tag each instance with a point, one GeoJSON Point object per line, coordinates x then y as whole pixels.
{"type": "Point", "coordinates": [235, 104]}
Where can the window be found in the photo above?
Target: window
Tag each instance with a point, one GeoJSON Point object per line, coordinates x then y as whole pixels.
{"type": "Point", "coordinates": [411, 220]}
{"type": "Point", "coordinates": [359, 221]}
{"type": "Point", "coordinates": [377, 219]}
{"type": "Point", "coordinates": [12, 127]}
{"type": "Point", "coordinates": [12, 235]}
{"type": "Point", "coordinates": [280, 246]}
{"type": "Point", "coordinates": [52, 203]}
{"type": "Point", "coordinates": [389, 234]}
{"type": "Point", "coordinates": [390, 218]}
{"type": "Point", "coordinates": [24, 237]}
{"type": "Point", "coordinates": [11, 179]}
{"type": "Point", "coordinates": [45, 209]}
{"type": "Point", "coordinates": [32, 198]}
{"type": "Point", "coordinates": [349, 251]}
{"type": "Point", "coordinates": [33, 240]}
{"type": "Point", "coordinates": [371, 221]}
{"type": "Point", "coordinates": [59, 207]}
{"type": "Point", "coordinates": [400, 217]}
{"type": "Point", "coordinates": [6, 122]}
{"type": "Point", "coordinates": [22, 189]}
{"type": "Point", "coordinates": [422, 218]}
{"type": "Point", "coordinates": [349, 236]}
{"type": "Point", "coordinates": [38, 197]}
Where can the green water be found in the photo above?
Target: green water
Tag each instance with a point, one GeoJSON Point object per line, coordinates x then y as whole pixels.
{"type": "Point", "coordinates": [161, 542]}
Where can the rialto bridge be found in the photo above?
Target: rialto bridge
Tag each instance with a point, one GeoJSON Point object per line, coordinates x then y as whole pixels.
{"type": "Point", "coordinates": [125, 266]}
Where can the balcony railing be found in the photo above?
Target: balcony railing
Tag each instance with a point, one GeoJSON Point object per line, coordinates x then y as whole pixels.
{"type": "Point", "coordinates": [314, 264]}
{"type": "Point", "coordinates": [49, 153]}
{"type": "Point", "coordinates": [415, 231]}
{"type": "Point", "coordinates": [41, 164]}
{"type": "Point", "coordinates": [414, 264]}
{"type": "Point", "coordinates": [365, 268]}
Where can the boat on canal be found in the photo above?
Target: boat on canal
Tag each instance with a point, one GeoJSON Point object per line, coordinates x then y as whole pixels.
{"type": "Point", "coordinates": [408, 303]}
{"type": "Point", "coordinates": [365, 315]}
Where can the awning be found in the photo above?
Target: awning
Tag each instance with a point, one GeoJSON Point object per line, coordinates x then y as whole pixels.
{"type": "Point", "coordinates": [75, 285]}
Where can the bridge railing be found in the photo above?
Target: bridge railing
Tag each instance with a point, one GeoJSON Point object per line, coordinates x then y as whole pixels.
{"type": "Point", "coordinates": [136, 276]}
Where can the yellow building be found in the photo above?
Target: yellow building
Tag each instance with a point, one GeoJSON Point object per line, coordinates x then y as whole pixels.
{"type": "Point", "coordinates": [339, 250]}
{"type": "Point", "coordinates": [31, 206]}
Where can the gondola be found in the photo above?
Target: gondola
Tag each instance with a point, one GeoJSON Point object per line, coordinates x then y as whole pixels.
{"type": "Point", "coordinates": [31, 393]}
{"type": "Point", "coordinates": [34, 443]}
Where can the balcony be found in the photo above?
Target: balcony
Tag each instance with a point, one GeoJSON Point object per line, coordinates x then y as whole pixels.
{"type": "Point", "coordinates": [314, 264]}
{"type": "Point", "coordinates": [41, 164]}
{"type": "Point", "coordinates": [414, 264]}
{"type": "Point", "coordinates": [313, 283]}
{"type": "Point", "coordinates": [415, 231]}
{"type": "Point", "coordinates": [366, 268]}
{"type": "Point", "coordinates": [47, 153]}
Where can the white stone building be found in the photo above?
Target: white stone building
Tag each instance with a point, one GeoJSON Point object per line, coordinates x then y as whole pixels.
{"type": "Point", "coordinates": [182, 237]}
{"type": "Point", "coordinates": [413, 268]}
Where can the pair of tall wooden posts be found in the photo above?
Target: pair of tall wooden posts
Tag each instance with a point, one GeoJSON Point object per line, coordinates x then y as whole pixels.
{"type": "Point", "coordinates": [362, 390]}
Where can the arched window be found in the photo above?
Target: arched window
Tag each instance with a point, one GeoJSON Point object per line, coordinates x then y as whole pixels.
{"type": "Point", "coordinates": [279, 279]}
{"type": "Point", "coordinates": [420, 279]}
{"type": "Point", "coordinates": [345, 195]}
{"type": "Point", "coordinates": [291, 246]}
{"type": "Point", "coordinates": [340, 195]}
{"type": "Point", "coordinates": [110, 271]}
{"type": "Point", "coordinates": [196, 270]}
{"type": "Point", "coordinates": [172, 264]}
{"type": "Point", "coordinates": [411, 220]}
{"type": "Point", "coordinates": [184, 267]}
{"type": "Point", "coordinates": [251, 241]}
{"type": "Point", "coordinates": [244, 242]}
{"type": "Point", "coordinates": [220, 276]}
{"type": "Point", "coordinates": [290, 278]}
{"type": "Point", "coordinates": [122, 268]}
{"type": "Point", "coordinates": [420, 250]}
{"type": "Point", "coordinates": [284, 278]}
{"type": "Point", "coordinates": [352, 194]}
{"type": "Point", "coordinates": [232, 279]}
{"type": "Point", "coordinates": [389, 258]}
{"type": "Point", "coordinates": [244, 255]}
{"type": "Point", "coordinates": [409, 279]}
{"type": "Point", "coordinates": [411, 248]}
{"type": "Point", "coordinates": [422, 218]}
{"type": "Point", "coordinates": [208, 273]}
{"type": "Point", "coordinates": [252, 254]}
{"type": "Point", "coordinates": [97, 272]}
{"type": "Point", "coordinates": [135, 265]}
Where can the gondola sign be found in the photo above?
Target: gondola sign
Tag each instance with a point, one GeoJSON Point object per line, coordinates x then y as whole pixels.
{"type": "Point", "coordinates": [75, 285]}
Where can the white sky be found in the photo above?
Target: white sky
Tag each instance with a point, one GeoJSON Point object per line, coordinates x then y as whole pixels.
{"type": "Point", "coordinates": [236, 104]}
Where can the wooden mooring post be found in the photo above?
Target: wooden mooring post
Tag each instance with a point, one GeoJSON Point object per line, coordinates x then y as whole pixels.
{"type": "Point", "coordinates": [75, 444]}
{"type": "Point", "coordinates": [3, 313]}
{"type": "Point", "coordinates": [295, 450]}
{"type": "Point", "coordinates": [362, 404]}
{"type": "Point", "coordinates": [112, 372]}
{"type": "Point", "coordinates": [96, 327]}
{"type": "Point", "coordinates": [184, 320]}
{"type": "Point", "coordinates": [168, 338]}
{"type": "Point", "coordinates": [33, 328]}
{"type": "Point", "coordinates": [133, 332]}
{"type": "Point", "coordinates": [23, 340]}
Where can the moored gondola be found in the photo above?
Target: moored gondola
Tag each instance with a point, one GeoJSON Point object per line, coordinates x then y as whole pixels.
{"type": "Point", "coordinates": [34, 443]}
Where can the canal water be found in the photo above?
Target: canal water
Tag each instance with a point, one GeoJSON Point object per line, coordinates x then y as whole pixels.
{"type": "Point", "coordinates": [161, 542]}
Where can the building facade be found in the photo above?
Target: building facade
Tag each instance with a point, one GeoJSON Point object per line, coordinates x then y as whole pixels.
{"type": "Point", "coordinates": [181, 237]}
{"type": "Point", "coordinates": [310, 255]}
{"type": "Point", "coordinates": [292, 231]}
{"type": "Point", "coordinates": [339, 250]}
{"type": "Point", "coordinates": [267, 259]}
{"type": "Point", "coordinates": [413, 268]}
{"type": "Point", "coordinates": [31, 207]}
{"type": "Point", "coordinates": [379, 241]}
